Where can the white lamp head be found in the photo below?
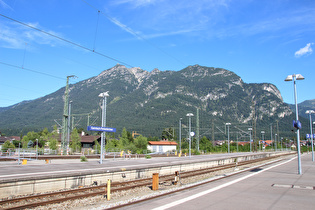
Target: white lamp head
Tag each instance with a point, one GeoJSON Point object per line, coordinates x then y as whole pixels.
{"type": "Point", "coordinates": [104, 94]}
{"type": "Point", "coordinates": [299, 77]}
{"type": "Point", "coordinates": [289, 78]}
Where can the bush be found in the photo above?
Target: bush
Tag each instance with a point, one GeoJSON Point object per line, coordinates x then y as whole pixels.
{"type": "Point", "coordinates": [148, 156]}
{"type": "Point", "coordinates": [83, 159]}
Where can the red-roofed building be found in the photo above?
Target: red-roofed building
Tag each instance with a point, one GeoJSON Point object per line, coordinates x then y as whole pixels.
{"type": "Point", "coordinates": [162, 146]}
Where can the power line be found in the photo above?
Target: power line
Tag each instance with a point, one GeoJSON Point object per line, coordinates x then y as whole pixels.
{"type": "Point", "coordinates": [31, 70]}
{"type": "Point", "coordinates": [65, 40]}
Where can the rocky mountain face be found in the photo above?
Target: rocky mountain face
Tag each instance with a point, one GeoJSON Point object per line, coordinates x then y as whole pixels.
{"type": "Point", "coordinates": [148, 102]}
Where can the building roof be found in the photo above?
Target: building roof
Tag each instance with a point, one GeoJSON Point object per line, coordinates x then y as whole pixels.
{"type": "Point", "coordinates": [8, 138]}
{"type": "Point", "coordinates": [89, 139]}
{"type": "Point", "coordinates": [162, 143]}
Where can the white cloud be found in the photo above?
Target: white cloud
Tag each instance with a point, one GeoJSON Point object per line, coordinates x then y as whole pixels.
{"type": "Point", "coordinates": [15, 36]}
{"type": "Point", "coordinates": [304, 51]}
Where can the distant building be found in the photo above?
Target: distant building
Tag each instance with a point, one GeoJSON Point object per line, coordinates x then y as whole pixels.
{"type": "Point", "coordinates": [8, 138]}
{"type": "Point", "coordinates": [89, 141]}
{"type": "Point", "coordinates": [162, 146]}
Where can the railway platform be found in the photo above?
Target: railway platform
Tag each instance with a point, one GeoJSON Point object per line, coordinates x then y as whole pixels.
{"type": "Point", "coordinates": [277, 186]}
{"type": "Point", "coordinates": [38, 176]}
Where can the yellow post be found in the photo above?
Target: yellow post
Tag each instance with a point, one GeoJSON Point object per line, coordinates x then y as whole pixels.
{"type": "Point", "coordinates": [24, 162]}
{"type": "Point", "coordinates": [175, 153]}
{"type": "Point", "coordinates": [108, 189]}
{"type": "Point", "coordinates": [155, 181]}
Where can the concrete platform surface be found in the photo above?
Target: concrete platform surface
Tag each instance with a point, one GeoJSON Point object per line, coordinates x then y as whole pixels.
{"type": "Point", "coordinates": [12, 170]}
{"type": "Point", "coordinates": [270, 187]}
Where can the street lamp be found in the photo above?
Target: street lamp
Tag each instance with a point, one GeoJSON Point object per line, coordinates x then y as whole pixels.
{"type": "Point", "coordinates": [103, 95]}
{"type": "Point", "coordinates": [250, 139]}
{"type": "Point", "coordinates": [36, 149]}
{"type": "Point", "coordinates": [228, 126]}
{"type": "Point", "coordinates": [295, 77]}
{"type": "Point", "coordinates": [180, 136]}
{"type": "Point", "coordinates": [69, 128]}
{"type": "Point", "coordinates": [310, 112]}
{"type": "Point", "coordinates": [263, 137]}
{"type": "Point", "coordinates": [190, 133]}
{"type": "Point", "coordinates": [275, 142]}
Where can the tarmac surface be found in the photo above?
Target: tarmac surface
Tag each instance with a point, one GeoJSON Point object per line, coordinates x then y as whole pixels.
{"type": "Point", "coordinates": [277, 186]}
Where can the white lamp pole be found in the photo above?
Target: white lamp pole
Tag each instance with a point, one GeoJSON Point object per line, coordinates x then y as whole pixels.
{"type": "Point", "coordinates": [295, 77]}
{"type": "Point", "coordinates": [180, 135]}
{"type": "Point", "coordinates": [250, 139]}
{"type": "Point", "coordinates": [36, 149]}
{"type": "Point", "coordinates": [276, 142]}
{"type": "Point", "coordinates": [103, 95]}
{"type": "Point", "coordinates": [228, 126]}
{"type": "Point", "coordinates": [263, 138]}
{"type": "Point", "coordinates": [190, 115]}
{"type": "Point", "coordinates": [310, 112]}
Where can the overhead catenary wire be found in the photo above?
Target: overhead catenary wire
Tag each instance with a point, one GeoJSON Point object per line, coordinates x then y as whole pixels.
{"type": "Point", "coordinates": [67, 41]}
{"type": "Point", "coordinates": [31, 70]}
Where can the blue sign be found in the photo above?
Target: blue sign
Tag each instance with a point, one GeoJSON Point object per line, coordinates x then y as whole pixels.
{"type": "Point", "coordinates": [97, 128]}
{"type": "Point", "coordinates": [308, 136]}
{"type": "Point", "coordinates": [297, 124]}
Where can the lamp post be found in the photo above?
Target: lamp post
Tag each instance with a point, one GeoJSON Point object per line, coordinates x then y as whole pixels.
{"type": "Point", "coordinates": [310, 112]}
{"type": "Point", "coordinates": [69, 128]}
{"type": "Point", "coordinates": [250, 139]}
{"type": "Point", "coordinates": [237, 142]}
{"type": "Point", "coordinates": [263, 137]}
{"type": "Point", "coordinates": [189, 115]}
{"type": "Point", "coordinates": [275, 142]}
{"type": "Point", "coordinates": [295, 77]}
{"type": "Point", "coordinates": [228, 126]}
{"type": "Point", "coordinates": [36, 149]}
{"type": "Point", "coordinates": [180, 136]}
{"type": "Point", "coordinates": [103, 95]}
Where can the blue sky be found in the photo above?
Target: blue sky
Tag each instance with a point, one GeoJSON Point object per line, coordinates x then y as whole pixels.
{"type": "Point", "coordinates": [261, 41]}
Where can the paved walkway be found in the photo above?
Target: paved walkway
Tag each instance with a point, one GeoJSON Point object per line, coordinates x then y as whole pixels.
{"type": "Point", "coordinates": [269, 187]}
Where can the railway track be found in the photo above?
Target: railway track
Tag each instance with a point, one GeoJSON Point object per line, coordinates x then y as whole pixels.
{"type": "Point", "coordinates": [33, 201]}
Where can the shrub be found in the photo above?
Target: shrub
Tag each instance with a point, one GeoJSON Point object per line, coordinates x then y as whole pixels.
{"type": "Point", "coordinates": [83, 159]}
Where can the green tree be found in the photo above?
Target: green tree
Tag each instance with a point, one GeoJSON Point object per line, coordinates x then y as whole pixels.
{"type": "Point", "coordinates": [16, 143]}
{"type": "Point", "coordinates": [124, 141]}
{"type": "Point", "coordinates": [7, 145]}
{"type": "Point", "coordinates": [52, 139]}
{"type": "Point", "coordinates": [75, 144]}
{"type": "Point", "coordinates": [30, 136]}
{"type": "Point", "coordinates": [52, 143]}
{"type": "Point", "coordinates": [141, 144]}
{"type": "Point", "coordinates": [97, 147]}
{"type": "Point", "coordinates": [24, 142]}
{"type": "Point", "coordinates": [112, 144]}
